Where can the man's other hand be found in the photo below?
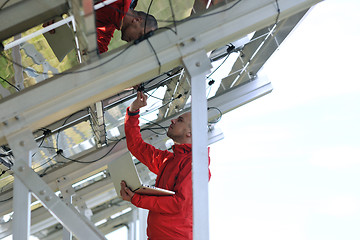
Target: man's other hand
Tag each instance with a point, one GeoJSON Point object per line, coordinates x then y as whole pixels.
{"type": "Point", "coordinates": [125, 192]}
{"type": "Point", "coordinates": [139, 102]}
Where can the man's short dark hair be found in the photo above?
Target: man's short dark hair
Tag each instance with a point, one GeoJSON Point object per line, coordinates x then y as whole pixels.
{"type": "Point", "coordinates": [149, 20]}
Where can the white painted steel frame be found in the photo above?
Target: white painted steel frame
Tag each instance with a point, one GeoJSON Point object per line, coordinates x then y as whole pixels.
{"type": "Point", "coordinates": [198, 66]}
{"type": "Point", "coordinates": [70, 218]}
{"type": "Point", "coordinates": [22, 144]}
{"type": "Point", "coordinates": [60, 96]}
{"type": "Point", "coordinates": [226, 101]}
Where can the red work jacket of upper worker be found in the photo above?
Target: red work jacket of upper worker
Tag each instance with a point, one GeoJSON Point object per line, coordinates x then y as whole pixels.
{"type": "Point", "coordinates": [109, 18]}
{"type": "Point", "coordinates": [170, 217]}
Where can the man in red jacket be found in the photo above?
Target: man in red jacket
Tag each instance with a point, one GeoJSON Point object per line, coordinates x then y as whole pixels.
{"type": "Point", "coordinates": [118, 16]}
{"type": "Point", "coordinates": [170, 217]}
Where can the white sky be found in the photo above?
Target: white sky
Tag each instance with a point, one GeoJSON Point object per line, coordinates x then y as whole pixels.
{"type": "Point", "coordinates": [289, 166]}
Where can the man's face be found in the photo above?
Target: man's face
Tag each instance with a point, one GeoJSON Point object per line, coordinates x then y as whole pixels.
{"type": "Point", "coordinates": [180, 128]}
{"type": "Point", "coordinates": [133, 31]}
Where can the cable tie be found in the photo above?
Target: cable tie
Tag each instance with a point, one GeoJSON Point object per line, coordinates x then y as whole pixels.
{"type": "Point", "coordinates": [230, 48]}
{"type": "Point", "coordinates": [47, 132]}
{"type": "Point", "coordinates": [211, 82]}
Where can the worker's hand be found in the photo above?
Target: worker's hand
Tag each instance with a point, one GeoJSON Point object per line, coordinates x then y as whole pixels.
{"type": "Point", "coordinates": [139, 102]}
{"type": "Point", "coordinates": [125, 192]}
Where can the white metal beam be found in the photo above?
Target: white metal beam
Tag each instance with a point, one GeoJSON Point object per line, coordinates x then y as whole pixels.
{"type": "Point", "coordinates": [68, 216]}
{"type": "Point", "coordinates": [22, 144]}
{"type": "Point", "coordinates": [226, 101]}
{"type": "Point", "coordinates": [60, 96]}
{"type": "Point", "coordinates": [198, 66]}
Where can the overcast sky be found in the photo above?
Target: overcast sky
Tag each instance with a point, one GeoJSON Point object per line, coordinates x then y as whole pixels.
{"type": "Point", "coordinates": [289, 166]}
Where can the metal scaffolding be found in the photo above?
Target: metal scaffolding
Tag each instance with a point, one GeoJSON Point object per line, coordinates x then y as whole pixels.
{"type": "Point", "coordinates": [59, 97]}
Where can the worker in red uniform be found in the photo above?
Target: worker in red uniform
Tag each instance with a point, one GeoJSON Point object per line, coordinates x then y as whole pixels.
{"type": "Point", "coordinates": [170, 217]}
{"type": "Point", "coordinates": [118, 16]}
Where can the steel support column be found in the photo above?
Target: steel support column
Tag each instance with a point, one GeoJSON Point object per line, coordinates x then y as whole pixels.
{"type": "Point", "coordinates": [197, 66]}
{"type": "Point", "coordinates": [21, 143]}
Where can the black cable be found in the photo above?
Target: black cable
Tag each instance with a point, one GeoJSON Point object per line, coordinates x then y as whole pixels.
{"type": "Point", "coordinates": [5, 200]}
{"type": "Point", "coordinates": [117, 55]}
{"type": "Point", "coordinates": [3, 5]}
{"type": "Point", "coordinates": [147, 39]}
{"type": "Point", "coordinates": [10, 83]}
{"type": "Point", "coordinates": [278, 10]}
{"type": "Point", "coordinates": [46, 132]}
{"type": "Point", "coordinates": [227, 56]}
{"type": "Point", "coordinates": [70, 72]}
{"type": "Point", "coordinates": [146, 17]}
{"type": "Point", "coordinates": [95, 160]}
{"type": "Point", "coordinates": [153, 128]}
{"type": "Point", "coordinates": [152, 110]}
{"type": "Point", "coordinates": [157, 58]}
{"type": "Point", "coordinates": [3, 172]}
{"type": "Point", "coordinates": [173, 15]}
{"type": "Point", "coordinates": [153, 95]}
{"type": "Point", "coordinates": [65, 121]}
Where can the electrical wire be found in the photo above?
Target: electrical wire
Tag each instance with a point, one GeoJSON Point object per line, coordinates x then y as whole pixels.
{"type": "Point", "coordinates": [153, 95]}
{"type": "Point", "coordinates": [10, 83]}
{"type": "Point", "coordinates": [3, 5]}
{"type": "Point", "coordinates": [95, 160]}
{"type": "Point", "coordinates": [117, 55]}
{"type": "Point", "coordinates": [173, 16]}
{"type": "Point", "coordinates": [5, 200]}
{"type": "Point", "coordinates": [69, 72]}
{"type": "Point", "coordinates": [278, 10]}
{"type": "Point", "coordinates": [152, 110]}
{"type": "Point", "coordinates": [146, 17]}
{"type": "Point", "coordinates": [157, 58]}
{"type": "Point", "coordinates": [227, 56]}
{"type": "Point", "coordinates": [153, 128]}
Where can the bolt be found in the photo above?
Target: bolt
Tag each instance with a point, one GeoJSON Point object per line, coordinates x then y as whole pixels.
{"type": "Point", "coordinates": [193, 39]}
{"type": "Point", "coordinates": [42, 192]}
{"type": "Point", "coordinates": [182, 44]}
{"type": "Point", "coordinates": [48, 198]}
{"type": "Point", "coordinates": [17, 118]}
{"type": "Point", "coordinates": [21, 168]}
{"type": "Point", "coordinates": [197, 64]}
{"type": "Point", "coordinates": [5, 123]}
{"type": "Point", "coordinates": [21, 143]}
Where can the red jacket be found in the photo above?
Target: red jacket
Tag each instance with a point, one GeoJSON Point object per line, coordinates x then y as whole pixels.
{"type": "Point", "coordinates": [108, 19]}
{"type": "Point", "coordinates": [170, 217]}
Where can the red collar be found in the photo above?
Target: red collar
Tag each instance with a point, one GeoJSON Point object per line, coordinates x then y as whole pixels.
{"type": "Point", "coordinates": [181, 148]}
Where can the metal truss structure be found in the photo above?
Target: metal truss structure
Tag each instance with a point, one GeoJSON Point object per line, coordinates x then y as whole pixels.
{"type": "Point", "coordinates": [77, 196]}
